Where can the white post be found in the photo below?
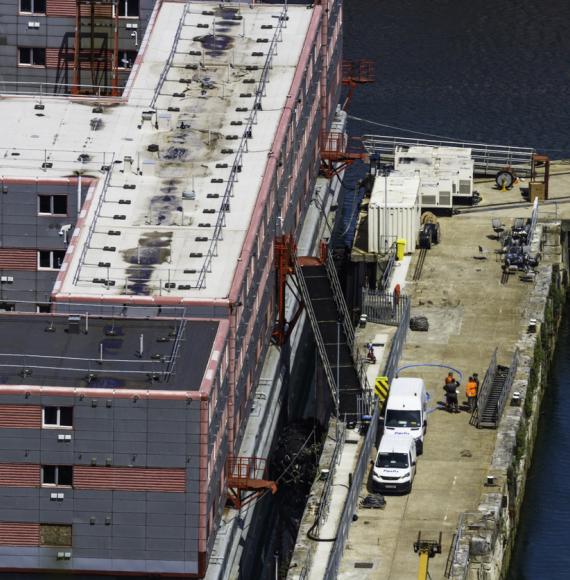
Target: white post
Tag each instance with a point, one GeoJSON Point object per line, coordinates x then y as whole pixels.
{"type": "Point", "coordinates": [86, 322]}
{"type": "Point", "coordinates": [78, 194]}
{"type": "Point", "coordinates": [101, 351]}
{"type": "Point", "coordinates": [141, 344]}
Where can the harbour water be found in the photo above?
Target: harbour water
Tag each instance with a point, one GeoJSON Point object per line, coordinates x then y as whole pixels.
{"type": "Point", "coordinates": [541, 549]}
{"type": "Point", "coordinates": [494, 71]}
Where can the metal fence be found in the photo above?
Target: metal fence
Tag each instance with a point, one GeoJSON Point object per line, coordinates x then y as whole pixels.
{"type": "Point", "coordinates": [352, 499]}
{"type": "Point", "coordinates": [488, 158]}
{"type": "Point", "coordinates": [398, 341]}
{"type": "Point", "coordinates": [384, 307]}
{"type": "Point", "coordinates": [507, 386]}
{"type": "Point", "coordinates": [485, 390]}
{"type": "Point", "coordinates": [324, 501]}
{"type": "Point", "coordinates": [387, 274]}
{"type": "Point", "coordinates": [362, 464]}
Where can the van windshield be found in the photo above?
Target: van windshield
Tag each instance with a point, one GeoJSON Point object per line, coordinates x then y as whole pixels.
{"type": "Point", "coordinates": [394, 460]}
{"type": "Point", "coordinates": [401, 418]}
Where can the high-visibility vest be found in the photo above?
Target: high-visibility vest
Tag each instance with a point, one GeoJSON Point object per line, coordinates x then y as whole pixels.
{"type": "Point", "coordinates": [471, 389]}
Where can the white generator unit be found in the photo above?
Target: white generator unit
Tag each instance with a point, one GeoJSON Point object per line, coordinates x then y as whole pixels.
{"type": "Point", "coordinates": [446, 173]}
{"type": "Point", "coordinates": [394, 212]}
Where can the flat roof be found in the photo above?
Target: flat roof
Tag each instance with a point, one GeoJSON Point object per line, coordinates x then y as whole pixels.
{"type": "Point", "coordinates": [104, 353]}
{"type": "Point", "coordinates": [170, 221]}
{"type": "Point", "coordinates": [397, 189]}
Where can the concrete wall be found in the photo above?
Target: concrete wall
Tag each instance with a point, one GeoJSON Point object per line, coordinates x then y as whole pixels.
{"type": "Point", "coordinates": [487, 536]}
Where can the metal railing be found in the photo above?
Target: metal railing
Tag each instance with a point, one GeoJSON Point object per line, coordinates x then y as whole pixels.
{"type": "Point", "coordinates": [387, 274]}
{"type": "Point", "coordinates": [488, 158]}
{"type": "Point", "coordinates": [398, 340]}
{"type": "Point", "coordinates": [383, 307]}
{"type": "Point", "coordinates": [358, 476]}
{"type": "Point", "coordinates": [362, 464]}
{"type": "Point", "coordinates": [170, 58]}
{"type": "Point", "coordinates": [507, 386]}
{"type": "Point", "coordinates": [242, 148]}
{"type": "Point", "coordinates": [454, 564]}
{"type": "Point", "coordinates": [340, 301]}
{"type": "Point", "coordinates": [93, 221]}
{"type": "Point", "coordinates": [334, 388]}
{"type": "Point", "coordinates": [324, 501]}
{"type": "Point", "coordinates": [56, 90]}
{"type": "Point", "coordinates": [485, 390]}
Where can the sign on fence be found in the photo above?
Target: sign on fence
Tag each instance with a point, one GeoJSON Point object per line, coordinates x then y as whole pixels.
{"type": "Point", "coordinates": [381, 388]}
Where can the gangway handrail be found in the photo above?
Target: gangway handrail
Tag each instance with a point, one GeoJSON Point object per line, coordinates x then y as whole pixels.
{"type": "Point", "coordinates": [488, 158]}
{"type": "Point", "coordinates": [340, 301]}
{"type": "Point", "coordinates": [507, 386]}
{"type": "Point", "coordinates": [241, 150]}
{"type": "Point", "coordinates": [485, 391]}
{"type": "Point", "coordinates": [333, 387]}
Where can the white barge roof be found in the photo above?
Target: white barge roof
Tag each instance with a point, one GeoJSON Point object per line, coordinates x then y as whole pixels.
{"type": "Point", "coordinates": [197, 91]}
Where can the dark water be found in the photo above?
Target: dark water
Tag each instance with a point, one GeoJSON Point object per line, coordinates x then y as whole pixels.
{"type": "Point", "coordinates": [498, 72]}
{"type": "Point", "coordinates": [542, 543]}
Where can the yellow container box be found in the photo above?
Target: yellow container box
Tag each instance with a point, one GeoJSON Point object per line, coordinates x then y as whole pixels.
{"type": "Point", "coordinates": [400, 249]}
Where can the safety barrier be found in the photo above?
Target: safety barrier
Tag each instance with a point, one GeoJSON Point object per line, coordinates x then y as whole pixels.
{"type": "Point", "coordinates": [507, 386]}
{"type": "Point", "coordinates": [362, 464]}
{"type": "Point", "coordinates": [383, 307]}
{"type": "Point", "coordinates": [488, 158]}
{"type": "Point", "coordinates": [352, 499]}
{"type": "Point", "coordinates": [485, 390]}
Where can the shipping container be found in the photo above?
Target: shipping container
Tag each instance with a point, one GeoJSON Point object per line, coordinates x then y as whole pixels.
{"type": "Point", "coordinates": [394, 212]}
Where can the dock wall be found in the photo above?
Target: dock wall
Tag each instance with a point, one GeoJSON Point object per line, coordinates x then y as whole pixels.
{"type": "Point", "coordinates": [485, 538]}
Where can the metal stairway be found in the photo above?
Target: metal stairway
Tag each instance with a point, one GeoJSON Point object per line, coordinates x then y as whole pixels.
{"type": "Point", "coordinates": [333, 330]}
{"type": "Point", "coordinates": [493, 394]}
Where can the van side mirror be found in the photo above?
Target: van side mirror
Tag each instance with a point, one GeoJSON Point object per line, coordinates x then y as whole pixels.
{"type": "Point", "coordinates": [425, 422]}
{"type": "Point", "coordinates": [413, 463]}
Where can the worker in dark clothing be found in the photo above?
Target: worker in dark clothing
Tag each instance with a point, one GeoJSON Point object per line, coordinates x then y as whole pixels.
{"type": "Point", "coordinates": [451, 401]}
{"type": "Point", "coordinates": [476, 379]}
{"type": "Point", "coordinates": [449, 378]}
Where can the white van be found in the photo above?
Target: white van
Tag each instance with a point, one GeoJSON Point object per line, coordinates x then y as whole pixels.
{"type": "Point", "coordinates": [406, 409]}
{"type": "Point", "coordinates": [395, 464]}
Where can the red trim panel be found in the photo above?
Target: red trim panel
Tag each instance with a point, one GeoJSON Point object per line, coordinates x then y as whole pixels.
{"type": "Point", "coordinates": [129, 479]}
{"type": "Point", "coordinates": [18, 259]}
{"type": "Point", "coordinates": [17, 534]}
{"type": "Point", "coordinates": [19, 475]}
{"type": "Point", "coordinates": [20, 417]}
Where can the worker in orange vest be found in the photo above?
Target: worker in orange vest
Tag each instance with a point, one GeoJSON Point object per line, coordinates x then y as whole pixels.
{"type": "Point", "coordinates": [471, 393]}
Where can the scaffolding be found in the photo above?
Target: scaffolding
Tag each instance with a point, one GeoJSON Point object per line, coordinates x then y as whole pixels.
{"type": "Point", "coordinates": [96, 47]}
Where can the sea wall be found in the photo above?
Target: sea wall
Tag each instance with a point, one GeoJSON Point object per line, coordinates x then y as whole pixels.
{"type": "Point", "coordinates": [485, 538]}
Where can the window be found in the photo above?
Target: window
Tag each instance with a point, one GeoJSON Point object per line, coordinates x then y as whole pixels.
{"type": "Point", "coordinates": [28, 56]}
{"type": "Point", "coordinates": [58, 417]}
{"type": "Point", "coordinates": [129, 8]}
{"type": "Point", "coordinates": [43, 308]}
{"type": "Point", "coordinates": [55, 535]}
{"type": "Point", "coordinates": [33, 6]}
{"type": "Point", "coordinates": [126, 58]}
{"type": "Point", "coordinates": [52, 204]}
{"type": "Point", "coordinates": [61, 475]}
{"type": "Point", "coordinates": [50, 259]}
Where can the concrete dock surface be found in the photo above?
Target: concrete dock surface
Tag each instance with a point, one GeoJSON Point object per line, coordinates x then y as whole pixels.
{"type": "Point", "coordinates": [470, 313]}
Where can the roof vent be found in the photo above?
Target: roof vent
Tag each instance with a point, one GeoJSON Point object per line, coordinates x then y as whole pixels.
{"type": "Point", "coordinates": [73, 323]}
{"type": "Point", "coordinates": [191, 195]}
